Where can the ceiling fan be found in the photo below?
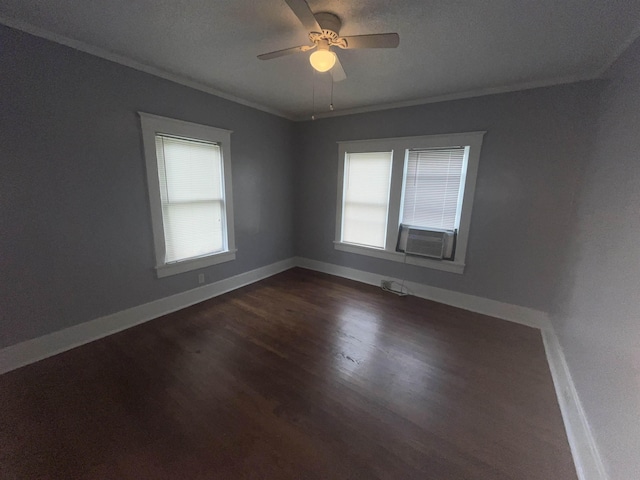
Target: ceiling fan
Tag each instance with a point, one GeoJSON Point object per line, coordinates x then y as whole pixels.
{"type": "Point", "coordinates": [324, 29]}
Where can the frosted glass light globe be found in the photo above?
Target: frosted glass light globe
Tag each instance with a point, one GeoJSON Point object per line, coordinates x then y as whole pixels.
{"type": "Point", "coordinates": [322, 60]}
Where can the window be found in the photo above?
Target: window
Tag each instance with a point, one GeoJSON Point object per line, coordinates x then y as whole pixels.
{"type": "Point", "coordinates": [189, 182]}
{"type": "Point", "coordinates": [433, 182]}
{"type": "Point", "coordinates": [424, 181]}
{"type": "Point", "coordinates": [366, 198]}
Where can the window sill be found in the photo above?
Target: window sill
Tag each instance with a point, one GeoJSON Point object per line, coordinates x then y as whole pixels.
{"type": "Point", "coordinates": [444, 265]}
{"type": "Point", "coordinates": [194, 263]}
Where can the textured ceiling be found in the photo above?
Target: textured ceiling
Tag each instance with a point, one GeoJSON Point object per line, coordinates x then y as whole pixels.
{"type": "Point", "coordinates": [448, 48]}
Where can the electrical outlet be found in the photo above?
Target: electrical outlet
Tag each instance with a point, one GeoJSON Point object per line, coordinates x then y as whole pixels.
{"type": "Point", "coordinates": [201, 278]}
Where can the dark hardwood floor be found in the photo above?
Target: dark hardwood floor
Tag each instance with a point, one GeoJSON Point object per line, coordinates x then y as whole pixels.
{"type": "Point", "coordinates": [300, 376]}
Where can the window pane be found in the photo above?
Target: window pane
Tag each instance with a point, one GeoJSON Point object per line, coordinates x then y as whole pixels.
{"type": "Point", "coordinates": [190, 174]}
{"type": "Point", "coordinates": [192, 229]}
{"type": "Point", "coordinates": [432, 188]}
{"type": "Point", "coordinates": [192, 169]}
{"type": "Point", "coordinates": [366, 198]}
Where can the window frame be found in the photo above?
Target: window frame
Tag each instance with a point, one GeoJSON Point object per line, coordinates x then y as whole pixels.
{"type": "Point", "coordinates": [399, 146]}
{"type": "Point", "coordinates": [153, 125]}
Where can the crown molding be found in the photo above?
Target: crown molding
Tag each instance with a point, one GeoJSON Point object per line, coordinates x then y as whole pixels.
{"type": "Point", "coordinates": [617, 53]}
{"type": "Point", "coordinates": [188, 82]}
{"type": "Point", "coordinates": [136, 65]}
{"type": "Point", "coordinates": [453, 96]}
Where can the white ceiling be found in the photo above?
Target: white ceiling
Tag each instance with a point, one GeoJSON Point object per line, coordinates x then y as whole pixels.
{"type": "Point", "coordinates": [448, 48]}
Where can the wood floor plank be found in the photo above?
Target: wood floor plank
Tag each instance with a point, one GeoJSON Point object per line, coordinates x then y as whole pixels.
{"type": "Point", "coordinates": [300, 376]}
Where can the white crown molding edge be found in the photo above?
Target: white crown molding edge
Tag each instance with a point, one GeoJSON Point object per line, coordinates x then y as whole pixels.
{"type": "Point", "coordinates": [39, 348]}
{"type": "Point", "coordinates": [617, 53]}
{"type": "Point", "coordinates": [505, 311]}
{"type": "Point", "coordinates": [586, 457]}
{"type": "Point", "coordinates": [597, 74]}
{"type": "Point", "coordinates": [182, 80]}
{"type": "Point", "coordinates": [136, 65]}
{"type": "Point", "coordinates": [451, 97]}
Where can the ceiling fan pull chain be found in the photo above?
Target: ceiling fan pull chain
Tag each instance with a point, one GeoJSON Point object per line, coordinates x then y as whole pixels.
{"type": "Point", "coordinates": [331, 103]}
{"type": "Point", "coordinates": [313, 96]}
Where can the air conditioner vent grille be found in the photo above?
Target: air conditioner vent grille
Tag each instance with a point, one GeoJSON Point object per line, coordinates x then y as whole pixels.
{"type": "Point", "coordinates": [424, 242]}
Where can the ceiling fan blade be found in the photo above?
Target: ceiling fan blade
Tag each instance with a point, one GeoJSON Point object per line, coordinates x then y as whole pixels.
{"type": "Point", "coordinates": [286, 51]}
{"type": "Point", "coordinates": [304, 14]}
{"type": "Point", "coordinates": [378, 40]}
{"type": "Point", "coordinates": [337, 72]}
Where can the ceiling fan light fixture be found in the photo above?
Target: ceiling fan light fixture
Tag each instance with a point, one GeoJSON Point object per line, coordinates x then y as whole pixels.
{"type": "Point", "coordinates": [322, 60]}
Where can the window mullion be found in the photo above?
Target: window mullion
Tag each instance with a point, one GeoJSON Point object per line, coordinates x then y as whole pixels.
{"type": "Point", "coordinates": [395, 197]}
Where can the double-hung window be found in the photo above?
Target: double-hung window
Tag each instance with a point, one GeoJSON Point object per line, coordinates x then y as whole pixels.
{"type": "Point", "coordinates": [425, 182]}
{"type": "Point", "coordinates": [366, 190]}
{"type": "Point", "coordinates": [189, 183]}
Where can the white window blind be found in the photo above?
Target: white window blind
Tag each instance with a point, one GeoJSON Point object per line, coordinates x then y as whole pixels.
{"type": "Point", "coordinates": [367, 178]}
{"type": "Point", "coordinates": [432, 188]}
{"type": "Point", "coordinates": [191, 192]}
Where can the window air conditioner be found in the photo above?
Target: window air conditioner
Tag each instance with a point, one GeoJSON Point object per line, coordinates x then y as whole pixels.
{"type": "Point", "coordinates": [432, 243]}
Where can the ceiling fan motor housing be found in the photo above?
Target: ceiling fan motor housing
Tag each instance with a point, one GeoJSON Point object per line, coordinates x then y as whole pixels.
{"type": "Point", "coordinates": [330, 25]}
{"type": "Point", "coordinates": [329, 22]}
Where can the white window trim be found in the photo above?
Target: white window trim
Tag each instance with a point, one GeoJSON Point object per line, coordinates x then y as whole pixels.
{"type": "Point", "coordinates": [399, 145]}
{"type": "Point", "coordinates": [152, 125]}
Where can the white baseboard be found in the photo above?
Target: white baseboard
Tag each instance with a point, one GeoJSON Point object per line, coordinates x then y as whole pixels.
{"type": "Point", "coordinates": [585, 453]}
{"type": "Point", "coordinates": [506, 311]}
{"type": "Point", "coordinates": [39, 348]}
{"type": "Point", "coordinates": [588, 462]}
{"type": "Point", "coordinates": [586, 457]}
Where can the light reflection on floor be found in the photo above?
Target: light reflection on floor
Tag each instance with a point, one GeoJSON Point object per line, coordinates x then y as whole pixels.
{"type": "Point", "coordinates": [356, 339]}
{"type": "Point", "coordinates": [363, 350]}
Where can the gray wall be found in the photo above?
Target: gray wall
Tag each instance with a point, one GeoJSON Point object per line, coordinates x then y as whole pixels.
{"type": "Point", "coordinates": [76, 240]}
{"type": "Point", "coordinates": [531, 153]}
{"type": "Point", "coordinates": [597, 313]}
